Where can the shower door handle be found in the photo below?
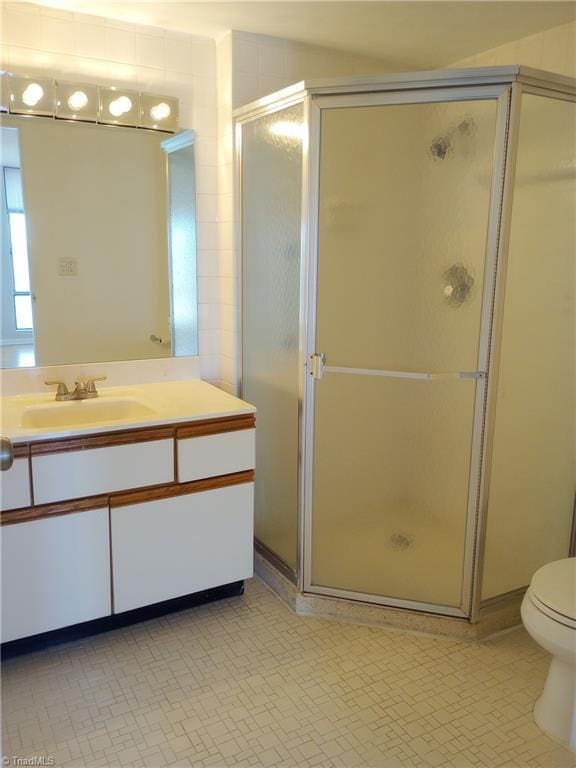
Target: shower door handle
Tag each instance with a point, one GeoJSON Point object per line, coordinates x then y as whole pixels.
{"type": "Point", "coordinates": [318, 369]}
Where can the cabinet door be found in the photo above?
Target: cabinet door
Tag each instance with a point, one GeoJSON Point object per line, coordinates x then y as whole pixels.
{"type": "Point", "coordinates": [55, 572]}
{"type": "Point", "coordinates": [173, 547]}
{"type": "Point", "coordinates": [15, 485]}
{"type": "Point", "coordinates": [75, 474]}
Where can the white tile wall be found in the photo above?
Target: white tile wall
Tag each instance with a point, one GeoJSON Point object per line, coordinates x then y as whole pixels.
{"type": "Point", "coordinates": [37, 39]}
{"type": "Point", "coordinates": [261, 65]}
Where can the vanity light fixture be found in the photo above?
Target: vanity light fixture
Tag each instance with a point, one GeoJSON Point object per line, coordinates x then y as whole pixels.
{"type": "Point", "coordinates": [31, 96]}
{"type": "Point", "coordinates": [77, 101]}
{"type": "Point", "coordinates": [158, 112]}
{"type": "Point", "coordinates": [43, 96]}
{"type": "Point", "coordinates": [119, 107]}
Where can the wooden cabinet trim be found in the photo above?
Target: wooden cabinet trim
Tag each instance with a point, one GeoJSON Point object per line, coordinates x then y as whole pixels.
{"type": "Point", "coordinates": [126, 498]}
{"type": "Point", "coordinates": [128, 436]}
{"type": "Point", "coordinates": [28, 514]}
{"type": "Point", "coordinates": [216, 426]}
{"type": "Point", "coordinates": [123, 498]}
{"type": "Point", "coordinates": [104, 440]}
{"type": "Point", "coordinates": [21, 450]}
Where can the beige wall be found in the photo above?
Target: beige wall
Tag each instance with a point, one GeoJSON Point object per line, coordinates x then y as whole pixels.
{"type": "Point", "coordinates": [553, 50]}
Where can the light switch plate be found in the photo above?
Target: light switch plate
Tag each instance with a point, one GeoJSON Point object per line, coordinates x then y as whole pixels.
{"type": "Point", "coordinates": [68, 266]}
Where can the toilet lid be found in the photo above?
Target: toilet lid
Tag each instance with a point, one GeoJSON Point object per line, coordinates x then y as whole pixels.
{"type": "Point", "coordinates": [554, 585]}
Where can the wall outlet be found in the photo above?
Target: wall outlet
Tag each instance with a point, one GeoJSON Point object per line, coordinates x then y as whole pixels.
{"type": "Point", "coordinates": [68, 266]}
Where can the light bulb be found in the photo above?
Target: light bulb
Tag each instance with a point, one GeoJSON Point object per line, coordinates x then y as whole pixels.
{"type": "Point", "coordinates": [32, 94]}
{"type": "Point", "coordinates": [119, 106]}
{"type": "Point", "coordinates": [160, 111]}
{"type": "Point", "coordinates": [77, 100]}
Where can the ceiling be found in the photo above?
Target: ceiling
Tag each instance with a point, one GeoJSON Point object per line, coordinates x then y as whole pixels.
{"type": "Point", "coordinates": [413, 33]}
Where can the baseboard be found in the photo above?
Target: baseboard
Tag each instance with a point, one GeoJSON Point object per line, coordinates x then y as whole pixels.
{"type": "Point", "coordinates": [275, 561]}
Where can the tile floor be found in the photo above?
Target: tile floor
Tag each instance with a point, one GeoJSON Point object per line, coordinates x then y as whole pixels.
{"type": "Point", "coordinates": [244, 682]}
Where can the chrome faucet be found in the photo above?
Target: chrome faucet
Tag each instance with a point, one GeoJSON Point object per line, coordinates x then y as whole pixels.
{"type": "Point", "coordinates": [84, 389]}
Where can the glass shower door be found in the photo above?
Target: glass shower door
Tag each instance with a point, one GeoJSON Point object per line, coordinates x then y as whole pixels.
{"type": "Point", "coordinates": [404, 203]}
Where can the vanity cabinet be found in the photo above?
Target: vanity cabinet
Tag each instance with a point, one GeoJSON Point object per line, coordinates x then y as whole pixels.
{"type": "Point", "coordinates": [162, 549]}
{"type": "Point", "coordinates": [55, 572]}
{"type": "Point", "coordinates": [99, 525]}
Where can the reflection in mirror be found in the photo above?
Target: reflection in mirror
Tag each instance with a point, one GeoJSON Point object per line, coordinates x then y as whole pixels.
{"type": "Point", "coordinates": [86, 221]}
{"type": "Point", "coordinates": [182, 243]}
{"type": "Point", "coordinates": [16, 328]}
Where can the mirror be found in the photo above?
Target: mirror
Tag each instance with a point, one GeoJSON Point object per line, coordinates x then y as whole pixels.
{"type": "Point", "coordinates": [98, 243]}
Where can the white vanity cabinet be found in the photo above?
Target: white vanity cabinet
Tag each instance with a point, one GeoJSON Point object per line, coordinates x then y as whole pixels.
{"type": "Point", "coordinates": [175, 546]}
{"type": "Point", "coordinates": [112, 522]}
{"type": "Point", "coordinates": [55, 572]}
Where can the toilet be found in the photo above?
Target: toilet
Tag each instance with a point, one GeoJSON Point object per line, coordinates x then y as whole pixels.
{"type": "Point", "coordinates": [549, 615]}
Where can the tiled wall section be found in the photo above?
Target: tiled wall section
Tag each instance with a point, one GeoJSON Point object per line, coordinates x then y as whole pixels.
{"type": "Point", "coordinates": [229, 319]}
{"type": "Point", "coordinates": [553, 50]}
{"type": "Point", "coordinates": [38, 39]}
{"type": "Point", "coordinates": [251, 66]}
{"type": "Point", "coordinates": [262, 65]}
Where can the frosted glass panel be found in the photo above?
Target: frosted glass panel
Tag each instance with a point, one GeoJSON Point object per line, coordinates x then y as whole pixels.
{"type": "Point", "coordinates": [404, 197]}
{"type": "Point", "coordinates": [271, 199]}
{"type": "Point", "coordinates": [182, 220]}
{"type": "Point", "coordinates": [391, 485]}
{"type": "Point", "coordinates": [403, 221]}
{"type": "Point", "coordinates": [533, 477]}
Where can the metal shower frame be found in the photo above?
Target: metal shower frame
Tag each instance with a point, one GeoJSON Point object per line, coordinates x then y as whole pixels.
{"type": "Point", "coordinates": [503, 84]}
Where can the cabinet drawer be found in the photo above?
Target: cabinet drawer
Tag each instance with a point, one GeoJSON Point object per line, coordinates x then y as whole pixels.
{"type": "Point", "coordinates": [55, 572]}
{"type": "Point", "coordinates": [173, 547]}
{"type": "Point", "coordinates": [15, 485]}
{"type": "Point", "coordinates": [75, 474]}
{"type": "Point", "coordinates": [213, 455]}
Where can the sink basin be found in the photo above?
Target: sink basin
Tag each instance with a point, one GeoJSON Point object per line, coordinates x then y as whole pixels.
{"type": "Point", "coordinates": [74, 412]}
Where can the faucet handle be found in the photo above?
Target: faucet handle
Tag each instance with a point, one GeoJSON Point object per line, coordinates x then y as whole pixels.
{"type": "Point", "coordinates": [62, 391]}
{"type": "Point", "coordinates": [91, 387]}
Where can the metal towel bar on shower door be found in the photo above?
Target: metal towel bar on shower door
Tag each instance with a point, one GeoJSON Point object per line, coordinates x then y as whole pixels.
{"type": "Point", "coordinates": [318, 368]}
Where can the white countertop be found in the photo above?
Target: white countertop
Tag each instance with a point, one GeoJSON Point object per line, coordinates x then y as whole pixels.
{"type": "Point", "coordinates": [170, 402]}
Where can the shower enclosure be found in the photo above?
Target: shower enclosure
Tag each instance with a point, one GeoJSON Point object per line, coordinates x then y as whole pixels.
{"type": "Point", "coordinates": [408, 331]}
